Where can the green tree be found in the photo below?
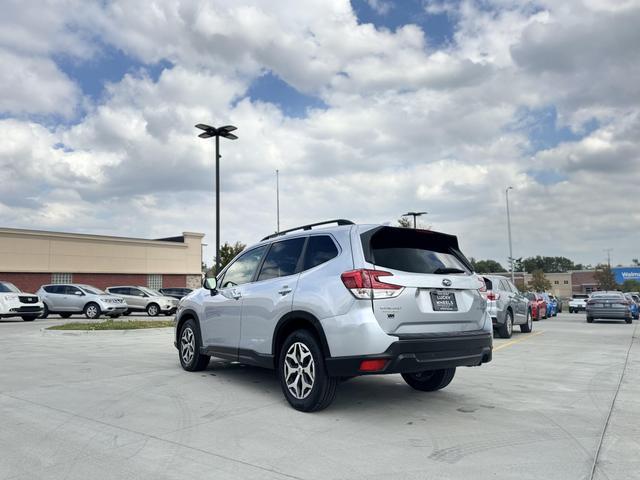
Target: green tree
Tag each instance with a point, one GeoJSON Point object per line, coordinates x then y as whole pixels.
{"type": "Point", "coordinates": [486, 266]}
{"type": "Point", "coordinates": [227, 253]}
{"type": "Point", "coordinates": [404, 222]}
{"type": "Point", "coordinates": [549, 264]}
{"type": "Point", "coordinates": [605, 278]}
{"type": "Point", "coordinates": [631, 285]}
{"type": "Point", "coordinates": [539, 282]}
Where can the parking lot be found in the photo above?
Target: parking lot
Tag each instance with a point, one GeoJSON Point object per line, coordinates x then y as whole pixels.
{"type": "Point", "coordinates": [118, 405]}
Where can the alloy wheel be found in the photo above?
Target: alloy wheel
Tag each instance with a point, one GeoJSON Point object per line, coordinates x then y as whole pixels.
{"type": "Point", "coordinates": [92, 311]}
{"type": "Point", "coordinates": [509, 324]}
{"type": "Point", "coordinates": [153, 310]}
{"type": "Point", "coordinates": [187, 345]}
{"type": "Point", "coordinates": [299, 370]}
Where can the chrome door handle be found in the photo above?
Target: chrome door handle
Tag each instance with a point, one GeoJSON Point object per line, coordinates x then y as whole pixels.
{"type": "Point", "coordinates": [284, 291]}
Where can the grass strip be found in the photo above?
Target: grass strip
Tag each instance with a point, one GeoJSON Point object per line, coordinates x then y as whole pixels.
{"type": "Point", "coordinates": [114, 325]}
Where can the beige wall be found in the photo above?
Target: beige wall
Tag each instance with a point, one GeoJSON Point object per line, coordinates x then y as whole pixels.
{"type": "Point", "coordinates": [559, 289]}
{"type": "Point", "coordinates": [36, 251]}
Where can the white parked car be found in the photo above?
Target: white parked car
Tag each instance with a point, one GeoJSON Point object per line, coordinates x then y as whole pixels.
{"type": "Point", "coordinates": [15, 303]}
{"type": "Point", "coordinates": [578, 303]}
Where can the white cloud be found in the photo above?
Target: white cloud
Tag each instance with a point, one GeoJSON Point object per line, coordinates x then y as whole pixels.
{"type": "Point", "coordinates": [406, 126]}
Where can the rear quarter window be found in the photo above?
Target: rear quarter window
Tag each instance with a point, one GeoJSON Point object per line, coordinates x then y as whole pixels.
{"type": "Point", "coordinates": [320, 249]}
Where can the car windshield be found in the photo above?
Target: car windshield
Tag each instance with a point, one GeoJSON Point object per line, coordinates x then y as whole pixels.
{"type": "Point", "coordinates": [150, 292]}
{"type": "Point", "coordinates": [91, 290]}
{"type": "Point", "coordinates": [8, 287]}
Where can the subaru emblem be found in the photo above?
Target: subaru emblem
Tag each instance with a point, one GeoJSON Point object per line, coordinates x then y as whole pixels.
{"type": "Point", "coordinates": [446, 282]}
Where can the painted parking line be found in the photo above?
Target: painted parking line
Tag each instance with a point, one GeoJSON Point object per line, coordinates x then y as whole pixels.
{"type": "Point", "coordinates": [513, 342]}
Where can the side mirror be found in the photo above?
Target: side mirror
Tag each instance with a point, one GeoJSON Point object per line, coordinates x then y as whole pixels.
{"type": "Point", "coordinates": [78, 292]}
{"type": "Point", "coordinates": [211, 284]}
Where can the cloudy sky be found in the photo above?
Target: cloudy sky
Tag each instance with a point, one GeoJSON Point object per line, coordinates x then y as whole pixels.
{"type": "Point", "coordinates": [368, 108]}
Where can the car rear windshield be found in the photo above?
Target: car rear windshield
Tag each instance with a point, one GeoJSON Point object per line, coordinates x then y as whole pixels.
{"type": "Point", "coordinates": [611, 296]}
{"type": "Point", "coordinates": [415, 251]}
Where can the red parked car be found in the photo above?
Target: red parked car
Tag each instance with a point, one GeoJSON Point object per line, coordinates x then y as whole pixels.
{"type": "Point", "coordinates": [538, 305]}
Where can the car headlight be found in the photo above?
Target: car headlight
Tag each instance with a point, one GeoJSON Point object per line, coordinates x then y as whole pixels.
{"type": "Point", "coordinates": [10, 298]}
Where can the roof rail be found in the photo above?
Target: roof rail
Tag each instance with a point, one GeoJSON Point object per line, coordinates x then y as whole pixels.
{"type": "Point", "coordinates": [339, 221]}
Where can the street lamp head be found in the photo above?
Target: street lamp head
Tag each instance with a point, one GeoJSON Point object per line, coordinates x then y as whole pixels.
{"type": "Point", "coordinates": [206, 135]}
{"type": "Point", "coordinates": [414, 214]}
{"type": "Point", "coordinates": [210, 131]}
{"type": "Point", "coordinates": [509, 188]}
{"type": "Point", "coordinates": [228, 128]}
{"type": "Point", "coordinates": [230, 136]}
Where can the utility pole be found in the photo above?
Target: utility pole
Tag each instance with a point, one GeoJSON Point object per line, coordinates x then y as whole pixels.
{"type": "Point", "coordinates": [608, 250]}
{"type": "Point", "coordinates": [509, 233]}
{"type": "Point", "coordinates": [278, 200]}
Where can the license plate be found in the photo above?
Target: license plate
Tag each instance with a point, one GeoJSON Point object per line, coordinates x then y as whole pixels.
{"type": "Point", "coordinates": [444, 302]}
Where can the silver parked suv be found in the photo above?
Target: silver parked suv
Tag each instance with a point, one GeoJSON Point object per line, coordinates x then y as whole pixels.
{"type": "Point", "coordinates": [68, 299]}
{"type": "Point", "coordinates": [507, 306]}
{"type": "Point", "coordinates": [143, 299]}
{"type": "Point", "coordinates": [321, 305]}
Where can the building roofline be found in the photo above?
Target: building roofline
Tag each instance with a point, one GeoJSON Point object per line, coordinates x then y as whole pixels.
{"type": "Point", "coordinates": [103, 238]}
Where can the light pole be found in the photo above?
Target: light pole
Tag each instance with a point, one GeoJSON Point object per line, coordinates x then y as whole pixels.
{"type": "Point", "coordinates": [225, 132]}
{"type": "Point", "coordinates": [414, 215]}
{"type": "Point", "coordinates": [278, 201]}
{"type": "Point", "coordinates": [509, 232]}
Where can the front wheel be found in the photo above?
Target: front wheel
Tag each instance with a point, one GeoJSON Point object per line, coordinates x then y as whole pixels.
{"type": "Point", "coordinates": [189, 348]}
{"type": "Point", "coordinates": [153, 310]}
{"type": "Point", "coordinates": [45, 311]}
{"type": "Point", "coordinates": [431, 380]}
{"type": "Point", "coordinates": [92, 311]}
{"type": "Point", "coordinates": [528, 326]}
{"type": "Point", "coordinates": [303, 376]}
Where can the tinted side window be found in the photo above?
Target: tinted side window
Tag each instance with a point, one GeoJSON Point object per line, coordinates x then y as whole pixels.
{"type": "Point", "coordinates": [242, 270]}
{"type": "Point", "coordinates": [282, 259]}
{"type": "Point", "coordinates": [51, 289]}
{"type": "Point", "coordinates": [320, 249]}
{"type": "Point", "coordinates": [70, 290]}
{"type": "Point", "coordinates": [117, 291]}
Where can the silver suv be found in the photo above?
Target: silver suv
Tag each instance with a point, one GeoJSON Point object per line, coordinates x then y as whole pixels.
{"type": "Point", "coordinates": [68, 299]}
{"type": "Point", "coordinates": [143, 299]}
{"type": "Point", "coordinates": [321, 305]}
{"type": "Point", "coordinates": [507, 306]}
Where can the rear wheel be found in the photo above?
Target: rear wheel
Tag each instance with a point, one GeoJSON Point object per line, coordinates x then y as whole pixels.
{"type": "Point", "coordinates": [189, 348]}
{"type": "Point", "coordinates": [303, 376]}
{"type": "Point", "coordinates": [589, 319]}
{"type": "Point", "coordinates": [45, 311]}
{"type": "Point", "coordinates": [29, 318]}
{"type": "Point", "coordinates": [628, 320]}
{"type": "Point", "coordinates": [528, 325]}
{"type": "Point", "coordinates": [570, 310]}
{"type": "Point", "coordinates": [430, 380]}
{"type": "Point", "coordinates": [506, 329]}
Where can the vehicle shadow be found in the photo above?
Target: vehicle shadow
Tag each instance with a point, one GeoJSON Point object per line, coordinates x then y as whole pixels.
{"type": "Point", "coordinates": [372, 392]}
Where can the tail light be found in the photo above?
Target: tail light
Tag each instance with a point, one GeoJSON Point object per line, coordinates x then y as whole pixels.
{"type": "Point", "coordinates": [366, 283]}
{"type": "Point", "coordinates": [493, 296]}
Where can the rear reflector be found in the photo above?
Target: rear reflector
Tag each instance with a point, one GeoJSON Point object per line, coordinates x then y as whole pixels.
{"type": "Point", "coordinates": [373, 365]}
{"type": "Point", "coordinates": [365, 283]}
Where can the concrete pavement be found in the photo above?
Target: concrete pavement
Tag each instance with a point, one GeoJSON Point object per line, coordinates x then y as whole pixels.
{"type": "Point", "coordinates": [118, 405]}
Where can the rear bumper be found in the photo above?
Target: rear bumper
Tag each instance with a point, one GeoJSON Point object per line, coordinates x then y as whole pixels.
{"type": "Point", "coordinates": [420, 354]}
{"type": "Point", "coordinates": [609, 313]}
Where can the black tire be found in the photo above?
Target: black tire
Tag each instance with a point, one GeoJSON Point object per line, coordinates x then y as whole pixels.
{"type": "Point", "coordinates": [528, 325]}
{"type": "Point", "coordinates": [570, 310]}
{"type": "Point", "coordinates": [45, 311]}
{"type": "Point", "coordinates": [323, 387]}
{"type": "Point", "coordinates": [92, 311]}
{"type": "Point", "coordinates": [628, 320]}
{"type": "Point", "coordinates": [127, 312]}
{"type": "Point", "coordinates": [506, 329]}
{"type": "Point", "coordinates": [65, 315]}
{"type": "Point", "coordinates": [589, 319]}
{"type": "Point", "coordinates": [153, 309]}
{"type": "Point", "coordinates": [29, 318]}
{"type": "Point", "coordinates": [189, 348]}
{"type": "Point", "coordinates": [431, 380]}
{"type": "Point", "coordinates": [117, 315]}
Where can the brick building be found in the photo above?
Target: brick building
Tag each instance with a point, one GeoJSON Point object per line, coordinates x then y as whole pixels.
{"type": "Point", "coordinates": [31, 258]}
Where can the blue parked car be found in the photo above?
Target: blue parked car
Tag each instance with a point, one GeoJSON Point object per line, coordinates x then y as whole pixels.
{"type": "Point", "coordinates": [552, 305]}
{"type": "Point", "coordinates": [635, 309]}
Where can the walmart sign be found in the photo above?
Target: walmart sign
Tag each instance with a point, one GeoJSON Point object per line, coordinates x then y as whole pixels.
{"type": "Point", "coordinates": [626, 273]}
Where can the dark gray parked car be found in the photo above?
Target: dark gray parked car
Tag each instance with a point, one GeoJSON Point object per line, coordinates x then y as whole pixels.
{"type": "Point", "coordinates": [608, 305]}
{"type": "Point", "coordinates": [507, 306]}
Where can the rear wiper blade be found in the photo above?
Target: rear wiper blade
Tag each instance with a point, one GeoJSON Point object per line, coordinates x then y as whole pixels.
{"type": "Point", "coordinates": [447, 270]}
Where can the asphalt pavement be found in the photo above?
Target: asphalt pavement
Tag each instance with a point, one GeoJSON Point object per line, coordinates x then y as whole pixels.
{"type": "Point", "coordinates": [117, 405]}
